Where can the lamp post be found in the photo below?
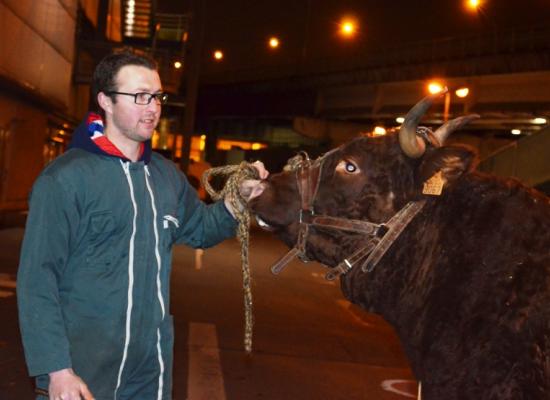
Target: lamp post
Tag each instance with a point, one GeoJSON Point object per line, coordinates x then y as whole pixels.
{"type": "Point", "coordinates": [447, 106]}
{"type": "Point", "coordinates": [437, 87]}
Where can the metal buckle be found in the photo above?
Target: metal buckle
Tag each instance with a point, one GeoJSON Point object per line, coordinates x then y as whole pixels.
{"type": "Point", "coordinates": [306, 216]}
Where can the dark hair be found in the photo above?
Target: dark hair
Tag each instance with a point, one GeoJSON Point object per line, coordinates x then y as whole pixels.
{"type": "Point", "coordinates": [104, 78]}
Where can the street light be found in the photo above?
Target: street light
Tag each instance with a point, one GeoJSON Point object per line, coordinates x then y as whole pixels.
{"type": "Point", "coordinates": [473, 5]}
{"type": "Point", "coordinates": [348, 28]}
{"type": "Point", "coordinates": [379, 131]}
{"type": "Point", "coordinates": [218, 55]}
{"type": "Point", "coordinates": [437, 87]}
{"type": "Point", "coordinates": [273, 42]}
{"type": "Point", "coordinates": [462, 92]}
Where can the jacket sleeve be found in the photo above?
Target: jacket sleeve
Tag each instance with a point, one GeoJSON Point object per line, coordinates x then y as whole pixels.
{"type": "Point", "coordinates": [51, 222]}
{"type": "Point", "coordinates": [202, 225]}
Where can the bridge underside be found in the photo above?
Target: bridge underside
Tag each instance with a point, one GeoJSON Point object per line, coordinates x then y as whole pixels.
{"type": "Point", "coordinates": [507, 72]}
{"type": "Point", "coordinates": [508, 77]}
{"type": "Point", "coordinates": [336, 113]}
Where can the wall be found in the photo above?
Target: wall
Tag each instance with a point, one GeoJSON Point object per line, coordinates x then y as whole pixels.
{"type": "Point", "coordinates": [24, 132]}
{"type": "Point", "coordinates": [526, 160]}
{"type": "Point", "coordinates": [36, 59]}
{"type": "Point", "coordinates": [37, 46]}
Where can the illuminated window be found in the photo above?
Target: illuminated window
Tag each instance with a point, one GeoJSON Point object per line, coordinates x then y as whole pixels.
{"type": "Point", "coordinates": [224, 144]}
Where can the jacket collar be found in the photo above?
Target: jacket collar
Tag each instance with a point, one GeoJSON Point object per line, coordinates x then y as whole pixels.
{"type": "Point", "coordinates": [89, 135]}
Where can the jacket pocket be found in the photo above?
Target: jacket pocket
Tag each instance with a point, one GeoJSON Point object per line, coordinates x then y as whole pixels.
{"type": "Point", "coordinates": [169, 225]}
{"type": "Point", "coordinates": [100, 235]}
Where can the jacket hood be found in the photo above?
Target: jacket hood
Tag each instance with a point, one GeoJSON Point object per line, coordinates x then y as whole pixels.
{"type": "Point", "coordinates": [90, 129]}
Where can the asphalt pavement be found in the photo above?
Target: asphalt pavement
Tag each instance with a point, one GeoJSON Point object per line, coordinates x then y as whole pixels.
{"type": "Point", "coordinates": [308, 343]}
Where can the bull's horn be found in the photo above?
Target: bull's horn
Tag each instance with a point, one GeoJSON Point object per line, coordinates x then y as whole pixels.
{"type": "Point", "coordinates": [443, 132]}
{"type": "Point", "coordinates": [412, 145]}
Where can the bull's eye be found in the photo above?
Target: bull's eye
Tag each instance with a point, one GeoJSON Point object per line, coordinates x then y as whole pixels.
{"type": "Point", "coordinates": [348, 167]}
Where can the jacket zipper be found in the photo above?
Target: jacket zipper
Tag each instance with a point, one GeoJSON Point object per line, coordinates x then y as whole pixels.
{"type": "Point", "coordinates": [159, 287]}
{"type": "Point", "coordinates": [126, 168]}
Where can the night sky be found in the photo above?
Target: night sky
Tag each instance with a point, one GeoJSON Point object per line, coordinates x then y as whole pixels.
{"type": "Point", "coordinates": [241, 27]}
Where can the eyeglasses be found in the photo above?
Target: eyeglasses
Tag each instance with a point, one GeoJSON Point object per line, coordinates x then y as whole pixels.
{"type": "Point", "coordinates": [144, 98]}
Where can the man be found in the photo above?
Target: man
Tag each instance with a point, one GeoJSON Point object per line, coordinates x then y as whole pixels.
{"type": "Point", "coordinates": [93, 281]}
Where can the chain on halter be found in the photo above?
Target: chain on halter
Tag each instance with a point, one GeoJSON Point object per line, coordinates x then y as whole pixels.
{"type": "Point", "coordinates": [236, 174]}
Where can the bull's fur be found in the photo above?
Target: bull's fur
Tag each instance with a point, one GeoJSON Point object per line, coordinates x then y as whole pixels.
{"type": "Point", "coordinates": [467, 284]}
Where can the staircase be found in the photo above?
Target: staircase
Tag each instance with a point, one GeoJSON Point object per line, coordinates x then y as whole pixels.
{"type": "Point", "coordinates": [138, 19]}
{"type": "Point", "coordinates": [172, 27]}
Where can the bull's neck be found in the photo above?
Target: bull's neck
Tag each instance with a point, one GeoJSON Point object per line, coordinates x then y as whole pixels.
{"type": "Point", "coordinates": [401, 275]}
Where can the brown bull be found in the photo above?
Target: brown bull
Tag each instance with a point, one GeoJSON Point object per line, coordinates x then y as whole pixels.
{"type": "Point", "coordinates": [457, 261]}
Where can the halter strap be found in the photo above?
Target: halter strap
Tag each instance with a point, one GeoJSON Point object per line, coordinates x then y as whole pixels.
{"type": "Point", "coordinates": [382, 236]}
{"type": "Point", "coordinates": [308, 176]}
{"type": "Point", "coordinates": [351, 225]}
{"type": "Point", "coordinates": [396, 225]}
{"type": "Point", "coordinates": [380, 242]}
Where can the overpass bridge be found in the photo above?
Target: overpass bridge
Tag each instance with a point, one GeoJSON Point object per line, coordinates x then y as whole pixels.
{"type": "Point", "coordinates": [508, 74]}
{"type": "Point", "coordinates": [321, 101]}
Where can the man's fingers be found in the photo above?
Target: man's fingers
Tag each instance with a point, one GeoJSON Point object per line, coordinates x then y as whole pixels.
{"type": "Point", "coordinates": [74, 395]}
{"type": "Point", "coordinates": [263, 173]}
{"type": "Point", "coordinates": [86, 393]}
{"type": "Point", "coordinates": [66, 385]}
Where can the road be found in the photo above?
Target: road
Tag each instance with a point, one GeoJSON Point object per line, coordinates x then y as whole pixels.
{"type": "Point", "coordinates": [309, 342]}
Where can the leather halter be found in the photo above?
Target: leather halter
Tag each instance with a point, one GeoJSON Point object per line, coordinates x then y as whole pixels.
{"type": "Point", "coordinates": [381, 236]}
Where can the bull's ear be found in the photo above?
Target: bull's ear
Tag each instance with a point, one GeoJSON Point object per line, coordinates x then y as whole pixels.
{"type": "Point", "coordinates": [452, 161]}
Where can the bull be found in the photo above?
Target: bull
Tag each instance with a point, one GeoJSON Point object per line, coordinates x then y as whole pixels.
{"type": "Point", "coordinates": [457, 261]}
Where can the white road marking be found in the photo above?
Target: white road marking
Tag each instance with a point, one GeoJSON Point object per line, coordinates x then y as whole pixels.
{"type": "Point", "coordinates": [198, 258]}
{"type": "Point", "coordinates": [322, 276]}
{"type": "Point", "coordinates": [389, 385]}
{"type": "Point", "coordinates": [205, 380]}
{"type": "Point", "coordinates": [347, 306]}
{"type": "Point", "coordinates": [7, 281]}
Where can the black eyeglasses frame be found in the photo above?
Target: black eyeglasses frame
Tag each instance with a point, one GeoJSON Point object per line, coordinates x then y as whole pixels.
{"type": "Point", "coordinates": [160, 97]}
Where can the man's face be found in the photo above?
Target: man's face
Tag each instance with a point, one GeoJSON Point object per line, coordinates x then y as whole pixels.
{"type": "Point", "coordinates": [129, 120]}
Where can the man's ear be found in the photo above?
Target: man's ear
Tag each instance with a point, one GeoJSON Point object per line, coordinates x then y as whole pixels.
{"type": "Point", "coordinates": [105, 102]}
{"type": "Point", "coordinates": [452, 161]}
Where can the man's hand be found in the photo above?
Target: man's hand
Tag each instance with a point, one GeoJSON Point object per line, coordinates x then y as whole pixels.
{"type": "Point", "coordinates": [250, 188]}
{"type": "Point", "coordinates": [66, 385]}
{"type": "Point", "coordinates": [262, 172]}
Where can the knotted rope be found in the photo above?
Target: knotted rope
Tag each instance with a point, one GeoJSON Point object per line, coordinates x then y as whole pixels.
{"type": "Point", "coordinates": [295, 162]}
{"type": "Point", "coordinates": [236, 174]}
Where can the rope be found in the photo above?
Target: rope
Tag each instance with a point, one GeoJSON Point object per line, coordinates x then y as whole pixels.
{"type": "Point", "coordinates": [295, 162]}
{"type": "Point", "coordinates": [236, 174]}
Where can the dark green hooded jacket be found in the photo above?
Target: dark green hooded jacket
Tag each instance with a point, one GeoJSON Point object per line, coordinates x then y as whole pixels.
{"type": "Point", "coordinates": [94, 275]}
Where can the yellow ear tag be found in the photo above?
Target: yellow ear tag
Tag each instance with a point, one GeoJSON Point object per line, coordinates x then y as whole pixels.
{"type": "Point", "coordinates": [434, 185]}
